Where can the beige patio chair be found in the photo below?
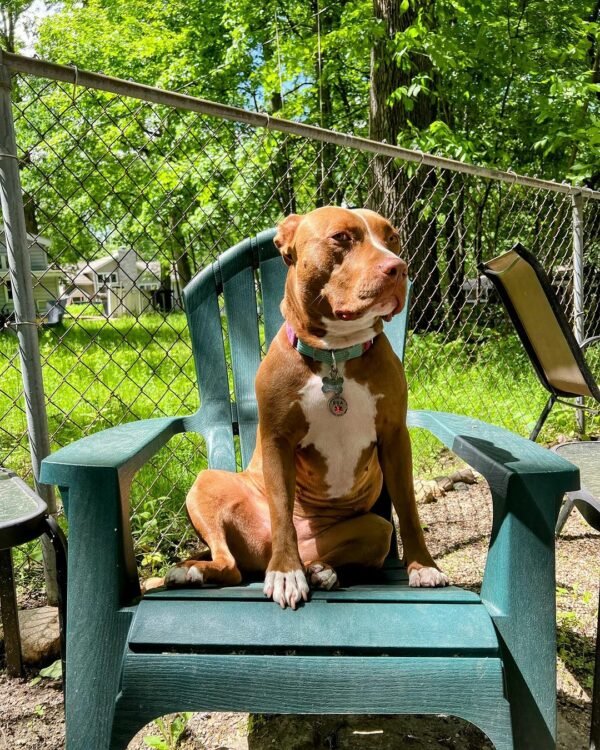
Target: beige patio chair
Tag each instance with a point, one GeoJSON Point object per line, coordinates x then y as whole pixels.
{"type": "Point", "coordinates": [544, 330]}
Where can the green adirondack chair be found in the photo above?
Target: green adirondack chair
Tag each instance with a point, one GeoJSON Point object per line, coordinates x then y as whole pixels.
{"type": "Point", "coordinates": [383, 648]}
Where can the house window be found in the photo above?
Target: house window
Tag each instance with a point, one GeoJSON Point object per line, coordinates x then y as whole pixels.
{"type": "Point", "coordinates": [107, 278]}
{"type": "Point", "coordinates": [9, 292]}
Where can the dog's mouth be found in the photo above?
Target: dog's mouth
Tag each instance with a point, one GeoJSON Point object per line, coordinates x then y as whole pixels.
{"type": "Point", "coordinates": [347, 314]}
{"type": "Point", "coordinates": [398, 307]}
{"type": "Point", "coordinates": [385, 309]}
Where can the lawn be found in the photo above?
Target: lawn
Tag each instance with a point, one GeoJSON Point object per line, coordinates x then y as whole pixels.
{"type": "Point", "coordinates": [98, 374]}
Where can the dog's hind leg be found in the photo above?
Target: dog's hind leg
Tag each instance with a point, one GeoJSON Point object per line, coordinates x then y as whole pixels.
{"type": "Point", "coordinates": [231, 519]}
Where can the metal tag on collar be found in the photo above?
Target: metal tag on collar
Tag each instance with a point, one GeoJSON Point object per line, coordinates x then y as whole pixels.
{"type": "Point", "coordinates": [333, 383]}
{"type": "Point", "coordinates": [337, 404]}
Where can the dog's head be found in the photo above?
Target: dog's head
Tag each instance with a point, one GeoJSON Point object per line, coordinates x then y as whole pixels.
{"type": "Point", "coordinates": [345, 273]}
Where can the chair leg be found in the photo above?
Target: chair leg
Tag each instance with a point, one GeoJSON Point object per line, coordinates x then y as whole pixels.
{"type": "Point", "coordinates": [565, 512]}
{"type": "Point", "coordinates": [126, 726]}
{"type": "Point", "coordinates": [59, 544]}
{"type": "Point", "coordinates": [542, 418]}
{"type": "Point", "coordinates": [10, 615]}
{"type": "Point", "coordinates": [500, 733]}
{"type": "Point", "coordinates": [595, 728]}
{"type": "Point", "coordinates": [525, 537]}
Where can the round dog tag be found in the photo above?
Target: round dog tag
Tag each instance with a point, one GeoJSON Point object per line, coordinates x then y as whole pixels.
{"type": "Point", "coordinates": [338, 406]}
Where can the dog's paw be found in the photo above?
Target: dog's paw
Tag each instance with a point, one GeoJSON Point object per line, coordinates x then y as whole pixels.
{"type": "Point", "coordinates": [286, 589]}
{"type": "Point", "coordinates": [427, 577]}
{"type": "Point", "coordinates": [184, 576]}
{"type": "Point", "coordinates": [321, 576]}
{"type": "Point", "coordinates": [194, 575]}
{"type": "Point", "coordinates": [176, 577]}
{"type": "Point", "coordinates": [151, 583]}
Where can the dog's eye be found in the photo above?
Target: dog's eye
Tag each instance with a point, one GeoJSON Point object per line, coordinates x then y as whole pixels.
{"type": "Point", "coordinates": [341, 237]}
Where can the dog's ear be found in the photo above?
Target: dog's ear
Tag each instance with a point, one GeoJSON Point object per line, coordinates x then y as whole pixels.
{"type": "Point", "coordinates": [284, 239]}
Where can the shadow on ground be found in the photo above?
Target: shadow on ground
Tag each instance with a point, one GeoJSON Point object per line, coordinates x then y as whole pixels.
{"type": "Point", "coordinates": [363, 732]}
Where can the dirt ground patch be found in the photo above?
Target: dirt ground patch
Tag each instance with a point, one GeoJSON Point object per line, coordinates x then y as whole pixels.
{"type": "Point", "coordinates": [32, 718]}
{"type": "Point", "coordinates": [457, 529]}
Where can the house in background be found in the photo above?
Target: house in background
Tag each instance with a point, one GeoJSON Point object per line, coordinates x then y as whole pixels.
{"type": "Point", "coordinates": [45, 278]}
{"type": "Point", "coordinates": [122, 282]}
{"type": "Point", "coordinates": [479, 291]}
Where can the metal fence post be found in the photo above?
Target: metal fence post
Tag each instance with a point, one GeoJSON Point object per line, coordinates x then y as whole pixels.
{"type": "Point", "coordinates": [19, 264]}
{"type": "Point", "coordinates": [578, 292]}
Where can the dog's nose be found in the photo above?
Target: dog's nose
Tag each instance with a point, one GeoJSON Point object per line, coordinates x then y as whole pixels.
{"type": "Point", "coordinates": [393, 267]}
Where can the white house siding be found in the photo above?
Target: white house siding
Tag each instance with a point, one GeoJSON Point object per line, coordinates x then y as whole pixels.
{"type": "Point", "coordinates": [45, 282]}
{"type": "Point", "coordinates": [4, 301]}
{"type": "Point", "coordinates": [45, 289]}
{"type": "Point", "coordinates": [123, 281]}
{"type": "Point", "coordinates": [111, 266]}
{"type": "Point", "coordinates": [39, 260]}
{"type": "Point", "coordinates": [132, 302]}
{"type": "Point", "coordinates": [128, 272]}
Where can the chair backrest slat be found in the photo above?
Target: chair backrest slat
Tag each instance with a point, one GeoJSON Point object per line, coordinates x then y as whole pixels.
{"type": "Point", "coordinates": [396, 329]}
{"type": "Point", "coordinates": [201, 297]}
{"type": "Point", "coordinates": [541, 323]}
{"type": "Point", "coordinates": [239, 291]}
{"type": "Point", "coordinates": [273, 272]}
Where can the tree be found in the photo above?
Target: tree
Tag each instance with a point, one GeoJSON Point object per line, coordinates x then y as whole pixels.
{"type": "Point", "coordinates": [395, 189]}
{"type": "Point", "coordinates": [11, 12]}
{"type": "Point", "coordinates": [499, 83]}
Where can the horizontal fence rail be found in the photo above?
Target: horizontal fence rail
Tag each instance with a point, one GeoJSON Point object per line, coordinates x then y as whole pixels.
{"type": "Point", "coordinates": [151, 94]}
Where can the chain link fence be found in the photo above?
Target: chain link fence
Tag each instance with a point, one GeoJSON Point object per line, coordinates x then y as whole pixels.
{"type": "Point", "coordinates": [128, 193]}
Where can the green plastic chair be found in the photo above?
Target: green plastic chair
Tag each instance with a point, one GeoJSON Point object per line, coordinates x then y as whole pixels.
{"type": "Point", "coordinates": [378, 648]}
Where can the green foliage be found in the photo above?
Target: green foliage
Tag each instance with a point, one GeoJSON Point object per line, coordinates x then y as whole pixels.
{"type": "Point", "coordinates": [171, 731]}
{"type": "Point", "coordinates": [88, 310]}
{"type": "Point", "coordinates": [513, 85]}
{"type": "Point", "coordinates": [484, 373]}
{"type": "Point", "coordinates": [53, 672]}
{"type": "Point", "coordinates": [577, 656]}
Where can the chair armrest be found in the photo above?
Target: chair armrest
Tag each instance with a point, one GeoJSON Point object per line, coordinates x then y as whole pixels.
{"type": "Point", "coordinates": [498, 454]}
{"type": "Point", "coordinates": [94, 476]}
{"type": "Point", "coordinates": [527, 485]}
{"type": "Point", "coordinates": [125, 448]}
{"type": "Point", "coordinates": [518, 590]}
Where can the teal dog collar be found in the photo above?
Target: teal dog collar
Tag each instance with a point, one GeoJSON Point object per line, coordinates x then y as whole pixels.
{"type": "Point", "coordinates": [334, 382]}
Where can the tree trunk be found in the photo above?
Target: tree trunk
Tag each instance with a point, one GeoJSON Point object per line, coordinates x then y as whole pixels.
{"type": "Point", "coordinates": [455, 258]}
{"type": "Point", "coordinates": [394, 192]}
{"type": "Point", "coordinates": [30, 211]}
{"type": "Point", "coordinates": [281, 164]}
{"type": "Point", "coordinates": [323, 24]}
{"type": "Point", "coordinates": [180, 254]}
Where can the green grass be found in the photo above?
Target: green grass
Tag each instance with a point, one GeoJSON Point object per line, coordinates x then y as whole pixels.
{"type": "Point", "coordinates": [99, 374]}
{"type": "Point", "coordinates": [486, 375]}
{"type": "Point", "coordinates": [87, 310]}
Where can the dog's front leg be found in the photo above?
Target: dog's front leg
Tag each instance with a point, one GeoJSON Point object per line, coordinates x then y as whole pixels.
{"type": "Point", "coordinates": [285, 581]}
{"type": "Point", "coordinates": [395, 456]}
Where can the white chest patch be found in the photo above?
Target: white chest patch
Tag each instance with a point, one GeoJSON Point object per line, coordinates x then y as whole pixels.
{"type": "Point", "coordinates": [340, 440]}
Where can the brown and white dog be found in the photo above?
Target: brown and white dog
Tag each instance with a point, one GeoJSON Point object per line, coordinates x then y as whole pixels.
{"type": "Point", "coordinates": [302, 507]}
